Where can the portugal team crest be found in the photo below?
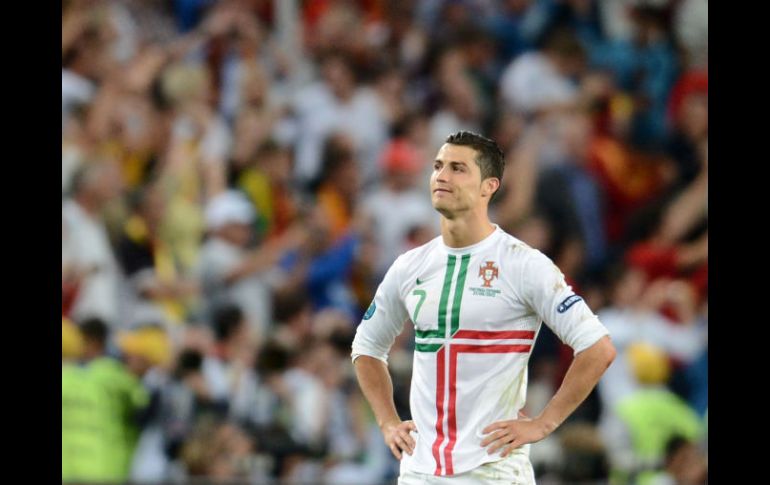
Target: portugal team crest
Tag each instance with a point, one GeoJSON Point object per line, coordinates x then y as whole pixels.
{"type": "Point", "coordinates": [488, 273]}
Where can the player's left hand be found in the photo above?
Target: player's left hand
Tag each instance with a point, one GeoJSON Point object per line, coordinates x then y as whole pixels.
{"type": "Point", "coordinates": [512, 434]}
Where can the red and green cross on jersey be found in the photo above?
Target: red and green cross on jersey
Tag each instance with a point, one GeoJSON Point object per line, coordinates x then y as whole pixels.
{"type": "Point", "coordinates": [426, 339]}
{"type": "Point", "coordinates": [452, 341]}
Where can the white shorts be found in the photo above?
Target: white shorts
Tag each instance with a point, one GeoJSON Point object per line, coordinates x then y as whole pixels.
{"type": "Point", "coordinates": [515, 469]}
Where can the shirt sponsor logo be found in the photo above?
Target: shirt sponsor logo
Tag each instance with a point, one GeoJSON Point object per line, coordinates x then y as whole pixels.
{"type": "Point", "coordinates": [488, 273]}
{"type": "Point", "coordinates": [370, 311]}
{"type": "Point", "coordinates": [567, 303]}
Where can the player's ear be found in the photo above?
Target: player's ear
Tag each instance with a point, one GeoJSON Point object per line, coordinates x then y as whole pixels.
{"type": "Point", "coordinates": [489, 186]}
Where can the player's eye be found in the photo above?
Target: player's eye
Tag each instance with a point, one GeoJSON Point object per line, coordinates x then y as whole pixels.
{"type": "Point", "coordinates": [437, 166]}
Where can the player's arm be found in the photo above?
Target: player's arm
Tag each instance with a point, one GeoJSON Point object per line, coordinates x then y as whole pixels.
{"type": "Point", "coordinates": [375, 335]}
{"type": "Point", "coordinates": [544, 289]}
{"type": "Point", "coordinates": [377, 386]}
{"type": "Point", "coordinates": [582, 376]}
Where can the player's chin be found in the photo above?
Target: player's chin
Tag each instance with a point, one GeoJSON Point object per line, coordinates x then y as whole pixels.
{"type": "Point", "coordinates": [439, 204]}
{"type": "Point", "coordinates": [445, 210]}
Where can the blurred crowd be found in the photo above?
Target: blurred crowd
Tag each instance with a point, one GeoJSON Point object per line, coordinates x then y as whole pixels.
{"type": "Point", "coordinates": [237, 176]}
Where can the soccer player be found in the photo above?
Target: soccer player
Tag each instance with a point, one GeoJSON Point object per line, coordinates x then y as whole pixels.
{"type": "Point", "coordinates": [476, 296]}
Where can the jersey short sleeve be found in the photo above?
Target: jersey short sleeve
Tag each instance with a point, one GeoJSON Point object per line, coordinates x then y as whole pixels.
{"type": "Point", "coordinates": [384, 319]}
{"type": "Point", "coordinates": [549, 295]}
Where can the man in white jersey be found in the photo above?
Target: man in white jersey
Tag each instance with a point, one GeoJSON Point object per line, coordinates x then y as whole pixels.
{"type": "Point", "coordinates": [476, 296]}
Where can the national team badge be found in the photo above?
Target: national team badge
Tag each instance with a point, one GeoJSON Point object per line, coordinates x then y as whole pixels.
{"type": "Point", "coordinates": [488, 273]}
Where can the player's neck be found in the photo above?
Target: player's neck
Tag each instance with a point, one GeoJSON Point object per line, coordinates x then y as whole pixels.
{"type": "Point", "coordinates": [465, 231]}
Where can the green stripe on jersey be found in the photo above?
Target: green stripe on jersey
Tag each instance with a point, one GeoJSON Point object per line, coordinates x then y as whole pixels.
{"type": "Point", "coordinates": [427, 347]}
{"type": "Point", "coordinates": [450, 269]}
{"type": "Point", "coordinates": [459, 287]}
{"type": "Point", "coordinates": [440, 331]}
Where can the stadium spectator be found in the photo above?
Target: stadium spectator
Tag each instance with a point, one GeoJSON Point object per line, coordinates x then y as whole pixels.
{"type": "Point", "coordinates": [90, 271]}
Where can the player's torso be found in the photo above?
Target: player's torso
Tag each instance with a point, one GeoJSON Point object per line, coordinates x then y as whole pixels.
{"type": "Point", "coordinates": [473, 337]}
{"type": "Point", "coordinates": [446, 293]}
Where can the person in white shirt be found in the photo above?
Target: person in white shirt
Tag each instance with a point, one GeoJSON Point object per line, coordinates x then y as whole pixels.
{"type": "Point", "coordinates": [88, 259]}
{"type": "Point", "coordinates": [540, 81]}
{"type": "Point", "coordinates": [398, 206]}
{"type": "Point", "coordinates": [231, 271]}
{"type": "Point", "coordinates": [476, 297]}
{"type": "Point", "coordinates": [337, 104]}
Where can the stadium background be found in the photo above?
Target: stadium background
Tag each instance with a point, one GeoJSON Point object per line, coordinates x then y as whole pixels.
{"type": "Point", "coordinates": [237, 175]}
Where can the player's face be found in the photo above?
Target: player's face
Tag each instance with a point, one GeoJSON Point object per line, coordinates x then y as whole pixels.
{"type": "Point", "coordinates": [456, 184]}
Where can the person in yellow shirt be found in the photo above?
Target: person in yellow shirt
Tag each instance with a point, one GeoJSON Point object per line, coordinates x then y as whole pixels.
{"type": "Point", "coordinates": [266, 183]}
{"type": "Point", "coordinates": [102, 399]}
{"type": "Point", "coordinates": [148, 261]}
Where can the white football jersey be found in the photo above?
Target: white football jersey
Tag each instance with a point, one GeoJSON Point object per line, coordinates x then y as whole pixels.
{"type": "Point", "coordinates": [476, 313]}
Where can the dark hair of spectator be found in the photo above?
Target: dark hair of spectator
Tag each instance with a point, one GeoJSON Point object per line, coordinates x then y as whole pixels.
{"type": "Point", "coordinates": [95, 329]}
{"type": "Point", "coordinates": [564, 43]}
{"type": "Point", "coordinates": [227, 319]}
{"type": "Point", "coordinates": [190, 360]}
{"type": "Point", "coordinates": [289, 304]}
{"type": "Point", "coordinates": [336, 153]}
{"type": "Point", "coordinates": [273, 358]}
{"type": "Point", "coordinates": [673, 445]}
{"type": "Point", "coordinates": [270, 147]}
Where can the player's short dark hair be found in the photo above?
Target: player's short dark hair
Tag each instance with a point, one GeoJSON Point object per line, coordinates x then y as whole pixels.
{"type": "Point", "coordinates": [489, 156]}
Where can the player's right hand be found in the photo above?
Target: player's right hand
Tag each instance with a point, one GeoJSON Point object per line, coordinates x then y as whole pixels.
{"type": "Point", "coordinates": [397, 437]}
